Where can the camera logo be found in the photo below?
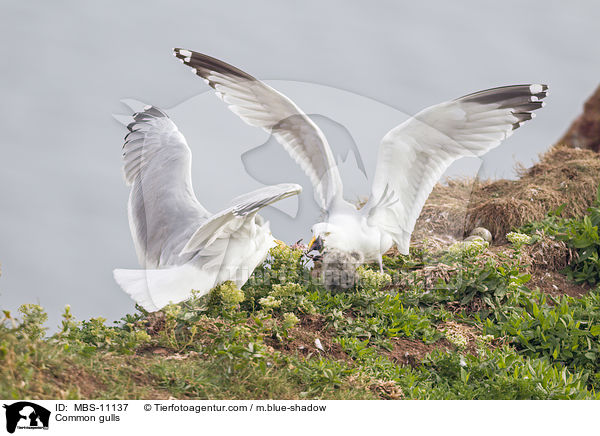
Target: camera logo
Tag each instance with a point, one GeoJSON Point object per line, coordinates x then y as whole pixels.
{"type": "Point", "coordinates": [26, 415]}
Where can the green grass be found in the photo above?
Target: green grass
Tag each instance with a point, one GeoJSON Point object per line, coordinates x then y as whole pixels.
{"type": "Point", "coordinates": [466, 318]}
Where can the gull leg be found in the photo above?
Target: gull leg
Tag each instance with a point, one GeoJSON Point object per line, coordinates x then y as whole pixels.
{"type": "Point", "coordinates": [380, 261]}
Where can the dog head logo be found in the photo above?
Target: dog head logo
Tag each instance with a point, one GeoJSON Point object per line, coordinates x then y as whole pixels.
{"type": "Point", "coordinates": [26, 415]}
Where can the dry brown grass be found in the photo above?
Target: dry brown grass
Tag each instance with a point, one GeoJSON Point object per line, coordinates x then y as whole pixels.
{"type": "Point", "coordinates": [547, 254]}
{"type": "Point", "coordinates": [563, 175]}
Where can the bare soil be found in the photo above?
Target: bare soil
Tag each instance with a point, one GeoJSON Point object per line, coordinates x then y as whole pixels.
{"type": "Point", "coordinates": [302, 339]}
{"type": "Point", "coordinates": [411, 352]}
{"type": "Point", "coordinates": [556, 284]}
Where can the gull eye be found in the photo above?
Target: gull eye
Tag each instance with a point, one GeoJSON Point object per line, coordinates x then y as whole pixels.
{"type": "Point", "coordinates": [326, 234]}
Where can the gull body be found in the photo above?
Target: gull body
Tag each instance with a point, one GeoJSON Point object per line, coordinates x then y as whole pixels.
{"type": "Point", "coordinates": [347, 230]}
{"type": "Point", "coordinates": [181, 246]}
{"type": "Point", "coordinates": [412, 156]}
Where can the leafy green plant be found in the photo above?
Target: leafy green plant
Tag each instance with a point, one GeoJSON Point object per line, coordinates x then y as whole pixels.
{"type": "Point", "coordinates": [565, 332]}
{"type": "Point", "coordinates": [578, 233]}
{"type": "Point", "coordinates": [497, 374]}
{"type": "Point", "coordinates": [487, 285]}
{"type": "Point", "coordinates": [32, 325]}
{"type": "Point", "coordinates": [95, 335]}
{"type": "Point", "coordinates": [260, 341]}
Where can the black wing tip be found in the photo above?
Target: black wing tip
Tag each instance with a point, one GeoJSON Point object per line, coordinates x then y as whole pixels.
{"type": "Point", "coordinates": [148, 112]}
{"type": "Point", "coordinates": [519, 99]}
{"type": "Point", "coordinates": [539, 90]}
{"type": "Point", "coordinates": [182, 53]}
{"type": "Point", "coordinates": [203, 64]}
{"type": "Point", "coordinates": [144, 115]}
{"type": "Point", "coordinates": [506, 92]}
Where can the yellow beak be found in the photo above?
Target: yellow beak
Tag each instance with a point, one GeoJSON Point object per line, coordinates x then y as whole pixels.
{"type": "Point", "coordinates": [316, 243]}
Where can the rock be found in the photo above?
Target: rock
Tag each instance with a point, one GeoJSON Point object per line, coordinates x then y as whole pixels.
{"type": "Point", "coordinates": [483, 233]}
{"type": "Point", "coordinates": [585, 130]}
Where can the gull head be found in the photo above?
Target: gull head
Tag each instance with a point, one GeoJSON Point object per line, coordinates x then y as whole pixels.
{"type": "Point", "coordinates": [324, 237]}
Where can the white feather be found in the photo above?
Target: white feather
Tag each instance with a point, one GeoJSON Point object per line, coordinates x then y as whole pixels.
{"type": "Point", "coordinates": [412, 156]}
{"type": "Point", "coordinates": [182, 246]}
{"type": "Point", "coordinates": [259, 105]}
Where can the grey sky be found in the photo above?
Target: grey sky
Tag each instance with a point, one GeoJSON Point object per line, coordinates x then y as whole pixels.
{"type": "Point", "coordinates": [63, 221]}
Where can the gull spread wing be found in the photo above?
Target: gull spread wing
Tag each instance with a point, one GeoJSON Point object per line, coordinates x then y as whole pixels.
{"type": "Point", "coordinates": [162, 203]}
{"type": "Point", "coordinates": [262, 106]}
{"type": "Point", "coordinates": [414, 155]}
{"type": "Point", "coordinates": [232, 218]}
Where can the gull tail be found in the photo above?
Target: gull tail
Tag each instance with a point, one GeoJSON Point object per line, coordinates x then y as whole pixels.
{"type": "Point", "coordinates": [155, 288]}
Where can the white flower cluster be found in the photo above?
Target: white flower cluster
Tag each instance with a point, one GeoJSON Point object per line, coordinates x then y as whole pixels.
{"type": "Point", "coordinates": [456, 338]}
{"type": "Point", "coordinates": [269, 302]}
{"type": "Point", "coordinates": [374, 280]}
{"type": "Point", "coordinates": [230, 294]}
{"type": "Point", "coordinates": [288, 296]}
{"type": "Point", "coordinates": [284, 253]}
{"type": "Point", "coordinates": [287, 290]}
{"type": "Point", "coordinates": [518, 239]}
{"type": "Point", "coordinates": [227, 294]}
{"type": "Point", "coordinates": [470, 248]}
{"type": "Point", "coordinates": [483, 342]}
{"type": "Point", "coordinates": [289, 320]}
